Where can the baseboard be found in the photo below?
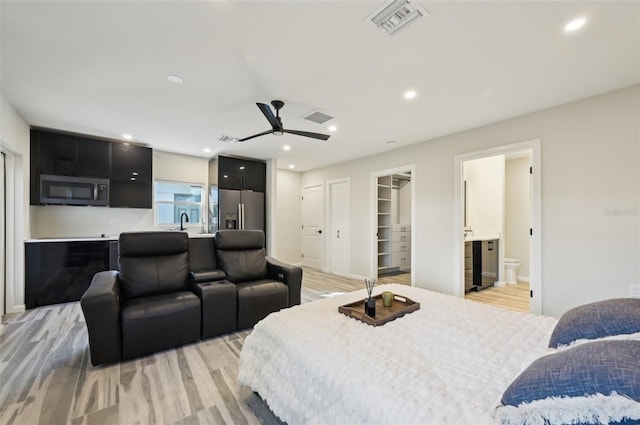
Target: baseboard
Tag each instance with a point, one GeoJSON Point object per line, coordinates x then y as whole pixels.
{"type": "Point", "coordinates": [16, 309]}
{"type": "Point", "coordinates": [358, 277]}
{"type": "Point", "coordinates": [500, 284]}
{"type": "Point", "coordinates": [523, 278]}
{"type": "Point", "coordinates": [296, 264]}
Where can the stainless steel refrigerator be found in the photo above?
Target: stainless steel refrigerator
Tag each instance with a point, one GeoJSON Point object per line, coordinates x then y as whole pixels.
{"type": "Point", "coordinates": [241, 209]}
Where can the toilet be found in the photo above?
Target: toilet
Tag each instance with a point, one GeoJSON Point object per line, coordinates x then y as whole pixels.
{"type": "Point", "coordinates": [511, 268]}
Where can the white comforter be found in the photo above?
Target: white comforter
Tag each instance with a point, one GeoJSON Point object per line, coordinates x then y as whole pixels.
{"type": "Point", "coordinates": [447, 363]}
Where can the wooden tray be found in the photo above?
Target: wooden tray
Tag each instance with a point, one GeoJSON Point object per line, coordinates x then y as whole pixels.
{"type": "Point", "coordinates": [401, 306]}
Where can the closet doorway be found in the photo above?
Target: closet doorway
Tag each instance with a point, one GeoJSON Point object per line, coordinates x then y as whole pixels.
{"type": "Point", "coordinates": [393, 206]}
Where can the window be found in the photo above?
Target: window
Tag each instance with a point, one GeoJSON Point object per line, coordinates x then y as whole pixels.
{"type": "Point", "coordinates": [172, 199]}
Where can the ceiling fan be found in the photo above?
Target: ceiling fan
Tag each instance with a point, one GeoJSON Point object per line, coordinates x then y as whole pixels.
{"type": "Point", "coordinates": [276, 123]}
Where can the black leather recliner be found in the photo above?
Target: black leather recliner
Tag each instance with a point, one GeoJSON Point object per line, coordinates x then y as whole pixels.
{"type": "Point", "coordinates": [148, 305]}
{"type": "Point", "coordinates": [264, 284]}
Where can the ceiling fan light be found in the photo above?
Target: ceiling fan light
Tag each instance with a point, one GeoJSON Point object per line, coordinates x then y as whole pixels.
{"type": "Point", "coordinates": [278, 132]}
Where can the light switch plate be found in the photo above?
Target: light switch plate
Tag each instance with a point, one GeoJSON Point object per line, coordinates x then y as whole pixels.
{"type": "Point", "coordinates": [634, 289]}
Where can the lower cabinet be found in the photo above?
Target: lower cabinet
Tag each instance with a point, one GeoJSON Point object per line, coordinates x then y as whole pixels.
{"type": "Point", "coordinates": [480, 264]}
{"type": "Point", "coordinates": [59, 272]}
{"type": "Point", "coordinates": [401, 246]}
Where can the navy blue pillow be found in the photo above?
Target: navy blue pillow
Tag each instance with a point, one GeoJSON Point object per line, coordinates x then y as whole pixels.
{"type": "Point", "coordinates": [597, 367]}
{"type": "Point", "coordinates": [597, 320]}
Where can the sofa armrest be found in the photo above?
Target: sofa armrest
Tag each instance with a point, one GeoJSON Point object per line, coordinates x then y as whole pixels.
{"type": "Point", "coordinates": [207, 276]}
{"type": "Point", "coordinates": [290, 275]}
{"type": "Point", "coordinates": [101, 308]}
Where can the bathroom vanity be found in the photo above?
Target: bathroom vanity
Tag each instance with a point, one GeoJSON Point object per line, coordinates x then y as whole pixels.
{"type": "Point", "coordinates": [480, 263]}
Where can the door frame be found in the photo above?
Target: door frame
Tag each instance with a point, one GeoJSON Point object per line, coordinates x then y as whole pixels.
{"type": "Point", "coordinates": [373, 217]}
{"type": "Point", "coordinates": [535, 241]}
{"type": "Point", "coordinates": [328, 223]}
{"type": "Point", "coordinates": [13, 235]}
{"type": "Point", "coordinates": [324, 222]}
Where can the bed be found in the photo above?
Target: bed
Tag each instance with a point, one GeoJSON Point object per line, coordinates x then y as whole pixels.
{"type": "Point", "coordinates": [447, 363]}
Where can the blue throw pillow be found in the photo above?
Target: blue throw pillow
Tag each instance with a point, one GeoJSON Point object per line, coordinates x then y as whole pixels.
{"type": "Point", "coordinates": [597, 320]}
{"type": "Point", "coordinates": [596, 382]}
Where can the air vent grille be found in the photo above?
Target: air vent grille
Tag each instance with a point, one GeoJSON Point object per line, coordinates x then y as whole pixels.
{"type": "Point", "coordinates": [227, 139]}
{"type": "Point", "coordinates": [396, 15]}
{"type": "Point", "coordinates": [318, 117]}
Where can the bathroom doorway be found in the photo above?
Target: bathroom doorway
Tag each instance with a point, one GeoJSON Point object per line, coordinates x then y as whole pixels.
{"type": "Point", "coordinates": [498, 218]}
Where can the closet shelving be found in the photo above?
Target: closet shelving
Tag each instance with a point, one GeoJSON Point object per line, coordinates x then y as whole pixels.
{"type": "Point", "coordinates": [384, 222]}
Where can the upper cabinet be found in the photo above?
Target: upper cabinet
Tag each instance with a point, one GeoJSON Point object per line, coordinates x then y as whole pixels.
{"type": "Point", "coordinates": [241, 174]}
{"type": "Point", "coordinates": [131, 176]}
{"type": "Point", "coordinates": [61, 154]}
{"type": "Point", "coordinates": [69, 155]}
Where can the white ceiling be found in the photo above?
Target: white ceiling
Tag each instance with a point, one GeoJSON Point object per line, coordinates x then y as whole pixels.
{"type": "Point", "coordinates": [101, 67]}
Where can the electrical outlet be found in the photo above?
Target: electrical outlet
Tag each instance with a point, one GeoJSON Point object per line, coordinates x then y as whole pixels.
{"type": "Point", "coordinates": [635, 290]}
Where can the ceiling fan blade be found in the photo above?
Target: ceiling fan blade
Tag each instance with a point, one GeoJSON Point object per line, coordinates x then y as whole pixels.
{"type": "Point", "coordinates": [308, 134]}
{"type": "Point", "coordinates": [268, 113]}
{"type": "Point", "coordinates": [256, 135]}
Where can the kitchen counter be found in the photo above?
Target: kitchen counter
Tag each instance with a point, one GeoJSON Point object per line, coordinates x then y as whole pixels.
{"type": "Point", "coordinates": [480, 238]}
{"type": "Point", "coordinates": [99, 238]}
{"type": "Point", "coordinates": [73, 239]}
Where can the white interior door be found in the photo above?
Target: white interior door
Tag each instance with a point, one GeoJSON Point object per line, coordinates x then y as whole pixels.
{"type": "Point", "coordinates": [3, 239]}
{"type": "Point", "coordinates": [339, 233]}
{"type": "Point", "coordinates": [312, 226]}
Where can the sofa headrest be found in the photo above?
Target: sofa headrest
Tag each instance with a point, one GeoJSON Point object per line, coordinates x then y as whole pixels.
{"type": "Point", "coordinates": [231, 240]}
{"type": "Point", "coordinates": [135, 244]}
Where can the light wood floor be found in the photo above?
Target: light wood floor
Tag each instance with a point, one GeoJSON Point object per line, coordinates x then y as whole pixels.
{"type": "Point", "coordinates": [513, 297]}
{"type": "Point", "coordinates": [46, 376]}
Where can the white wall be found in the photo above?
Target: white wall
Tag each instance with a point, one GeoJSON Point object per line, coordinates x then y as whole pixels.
{"type": "Point", "coordinates": [404, 204]}
{"type": "Point", "coordinates": [14, 139]}
{"type": "Point", "coordinates": [485, 189]}
{"type": "Point", "coordinates": [288, 219]}
{"type": "Point", "coordinates": [590, 160]}
{"type": "Point", "coordinates": [53, 221]}
{"type": "Point", "coordinates": [517, 206]}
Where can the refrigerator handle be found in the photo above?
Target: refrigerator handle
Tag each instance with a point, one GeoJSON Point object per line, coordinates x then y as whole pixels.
{"type": "Point", "coordinates": [239, 223]}
{"type": "Point", "coordinates": [242, 216]}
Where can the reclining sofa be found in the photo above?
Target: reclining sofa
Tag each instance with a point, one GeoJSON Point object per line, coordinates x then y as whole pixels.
{"type": "Point", "coordinates": [171, 290]}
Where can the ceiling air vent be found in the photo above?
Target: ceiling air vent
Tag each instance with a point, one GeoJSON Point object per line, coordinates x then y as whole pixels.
{"type": "Point", "coordinates": [396, 15]}
{"type": "Point", "coordinates": [227, 139]}
{"type": "Point", "coordinates": [317, 117]}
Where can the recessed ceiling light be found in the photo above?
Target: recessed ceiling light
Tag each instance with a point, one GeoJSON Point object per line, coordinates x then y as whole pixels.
{"type": "Point", "coordinates": [134, 173]}
{"type": "Point", "coordinates": [286, 147]}
{"type": "Point", "coordinates": [207, 150]}
{"type": "Point", "coordinates": [225, 176]}
{"type": "Point", "coordinates": [242, 167]}
{"type": "Point", "coordinates": [575, 24]}
{"type": "Point", "coordinates": [410, 94]}
{"type": "Point", "coordinates": [292, 166]}
{"type": "Point", "coordinates": [133, 179]}
{"type": "Point", "coordinates": [332, 128]}
{"type": "Point", "coordinates": [127, 137]}
{"type": "Point", "coordinates": [174, 79]}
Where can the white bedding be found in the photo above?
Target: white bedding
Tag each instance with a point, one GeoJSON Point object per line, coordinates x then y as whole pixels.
{"type": "Point", "coordinates": [447, 363]}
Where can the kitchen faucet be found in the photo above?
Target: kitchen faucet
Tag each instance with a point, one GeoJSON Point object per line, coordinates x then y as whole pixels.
{"type": "Point", "coordinates": [186, 217]}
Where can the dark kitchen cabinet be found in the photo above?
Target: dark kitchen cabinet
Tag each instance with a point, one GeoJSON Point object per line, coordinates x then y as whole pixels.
{"type": "Point", "coordinates": [241, 174]}
{"type": "Point", "coordinates": [58, 272]}
{"type": "Point", "coordinates": [131, 176]}
{"type": "Point", "coordinates": [62, 154]}
{"type": "Point", "coordinates": [93, 158]}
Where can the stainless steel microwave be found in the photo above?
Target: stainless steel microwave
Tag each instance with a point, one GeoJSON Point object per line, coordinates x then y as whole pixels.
{"type": "Point", "coordinates": [69, 190]}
